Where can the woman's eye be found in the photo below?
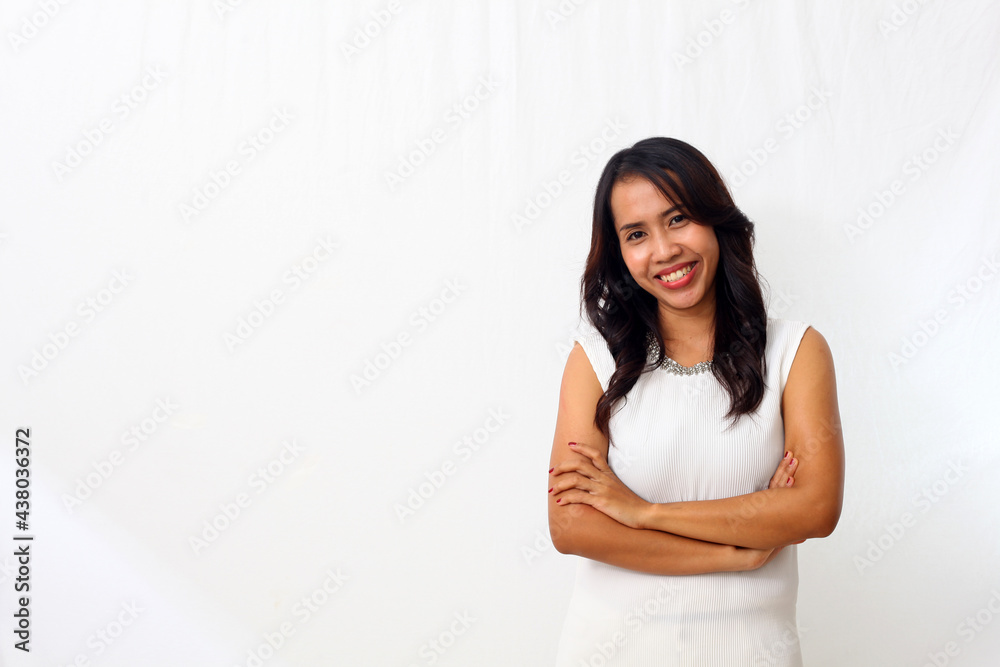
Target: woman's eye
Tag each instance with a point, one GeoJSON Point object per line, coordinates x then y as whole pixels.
{"type": "Point", "coordinates": [677, 218]}
{"type": "Point", "coordinates": [629, 237]}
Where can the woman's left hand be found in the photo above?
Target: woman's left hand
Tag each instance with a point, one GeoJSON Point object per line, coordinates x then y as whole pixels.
{"type": "Point", "coordinates": [590, 480]}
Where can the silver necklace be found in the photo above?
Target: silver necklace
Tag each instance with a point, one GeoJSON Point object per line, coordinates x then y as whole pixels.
{"type": "Point", "coordinates": [672, 366]}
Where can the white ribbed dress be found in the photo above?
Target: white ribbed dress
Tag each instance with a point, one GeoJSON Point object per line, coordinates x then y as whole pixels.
{"type": "Point", "coordinates": [671, 445]}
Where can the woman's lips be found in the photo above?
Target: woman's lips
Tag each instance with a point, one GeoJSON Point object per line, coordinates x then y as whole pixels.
{"type": "Point", "coordinates": [680, 282]}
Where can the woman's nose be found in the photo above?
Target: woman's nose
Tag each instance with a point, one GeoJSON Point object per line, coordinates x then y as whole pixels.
{"type": "Point", "coordinates": [665, 246]}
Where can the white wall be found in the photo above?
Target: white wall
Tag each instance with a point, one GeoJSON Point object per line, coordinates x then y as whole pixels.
{"type": "Point", "coordinates": [159, 98]}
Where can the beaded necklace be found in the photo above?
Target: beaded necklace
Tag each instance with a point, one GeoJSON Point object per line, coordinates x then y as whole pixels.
{"type": "Point", "coordinates": [672, 366]}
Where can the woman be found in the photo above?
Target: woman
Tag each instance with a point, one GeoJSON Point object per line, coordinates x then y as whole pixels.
{"type": "Point", "coordinates": [697, 440]}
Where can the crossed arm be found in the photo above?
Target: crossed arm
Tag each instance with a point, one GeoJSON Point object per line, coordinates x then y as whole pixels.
{"type": "Point", "coordinates": [592, 514]}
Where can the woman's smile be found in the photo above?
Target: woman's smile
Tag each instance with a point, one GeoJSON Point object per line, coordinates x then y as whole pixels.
{"type": "Point", "coordinates": [679, 278]}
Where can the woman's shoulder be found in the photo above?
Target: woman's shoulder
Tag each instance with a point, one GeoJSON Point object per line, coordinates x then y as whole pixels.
{"type": "Point", "coordinates": [782, 328]}
{"type": "Point", "coordinates": [598, 353]}
{"type": "Point", "coordinates": [785, 339]}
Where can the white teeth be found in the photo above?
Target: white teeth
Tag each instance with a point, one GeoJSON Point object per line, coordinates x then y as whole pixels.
{"type": "Point", "coordinates": [677, 275]}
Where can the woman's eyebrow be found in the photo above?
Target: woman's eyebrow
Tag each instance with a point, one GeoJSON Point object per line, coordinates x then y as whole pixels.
{"type": "Point", "coordinates": [640, 223]}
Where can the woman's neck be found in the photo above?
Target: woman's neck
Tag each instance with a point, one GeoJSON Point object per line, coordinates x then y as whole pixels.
{"type": "Point", "coordinates": [688, 336]}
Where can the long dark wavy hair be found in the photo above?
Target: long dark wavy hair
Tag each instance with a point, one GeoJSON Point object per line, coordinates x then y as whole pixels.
{"type": "Point", "coordinates": [625, 314]}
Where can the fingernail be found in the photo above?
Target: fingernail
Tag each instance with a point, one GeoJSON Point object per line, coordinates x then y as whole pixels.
{"type": "Point", "coordinates": [786, 454]}
{"type": "Point", "coordinates": [551, 469]}
{"type": "Point", "coordinates": [572, 444]}
{"type": "Point", "coordinates": [550, 490]}
{"type": "Point", "coordinates": [788, 480]}
{"type": "Point", "coordinates": [792, 462]}
{"type": "Point", "coordinates": [559, 500]}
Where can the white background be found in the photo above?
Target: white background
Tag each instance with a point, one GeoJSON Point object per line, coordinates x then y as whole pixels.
{"type": "Point", "coordinates": [814, 111]}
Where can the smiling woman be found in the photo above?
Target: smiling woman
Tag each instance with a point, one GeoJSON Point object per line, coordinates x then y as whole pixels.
{"type": "Point", "coordinates": [725, 449]}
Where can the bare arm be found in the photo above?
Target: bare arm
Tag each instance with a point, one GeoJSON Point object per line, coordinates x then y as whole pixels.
{"type": "Point", "coordinates": [584, 531]}
{"type": "Point", "coordinates": [811, 507]}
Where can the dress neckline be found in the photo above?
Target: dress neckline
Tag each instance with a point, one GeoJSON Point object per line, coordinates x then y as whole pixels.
{"type": "Point", "coordinates": [677, 369]}
{"type": "Point", "coordinates": [672, 366]}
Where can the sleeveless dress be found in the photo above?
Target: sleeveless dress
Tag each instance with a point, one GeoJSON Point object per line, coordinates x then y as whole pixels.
{"type": "Point", "coordinates": [672, 444]}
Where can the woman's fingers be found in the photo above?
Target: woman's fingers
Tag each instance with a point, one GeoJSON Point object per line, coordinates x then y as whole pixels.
{"type": "Point", "coordinates": [579, 465]}
{"type": "Point", "coordinates": [781, 475]}
{"type": "Point", "coordinates": [572, 480]}
{"type": "Point", "coordinates": [793, 465]}
{"type": "Point", "coordinates": [591, 453]}
{"type": "Point", "coordinates": [574, 495]}
{"type": "Point", "coordinates": [784, 476]}
{"type": "Point", "coordinates": [569, 477]}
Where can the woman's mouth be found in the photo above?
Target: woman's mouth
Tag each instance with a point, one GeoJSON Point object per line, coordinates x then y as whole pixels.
{"type": "Point", "coordinates": [678, 278]}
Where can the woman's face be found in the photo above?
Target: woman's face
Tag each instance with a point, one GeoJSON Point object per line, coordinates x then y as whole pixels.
{"type": "Point", "coordinates": [658, 242]}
